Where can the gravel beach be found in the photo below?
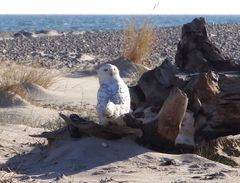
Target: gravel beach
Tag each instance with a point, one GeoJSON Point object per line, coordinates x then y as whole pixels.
{"type": "Point", "coordinates": [83, 50]}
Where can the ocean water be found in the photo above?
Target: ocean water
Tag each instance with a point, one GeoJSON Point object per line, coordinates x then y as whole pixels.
{"type": "Point", "coordinates": [14, 23]}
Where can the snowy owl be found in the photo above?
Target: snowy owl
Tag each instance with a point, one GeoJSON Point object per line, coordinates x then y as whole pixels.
{"type": "Point", "coordinates": [113, 98]}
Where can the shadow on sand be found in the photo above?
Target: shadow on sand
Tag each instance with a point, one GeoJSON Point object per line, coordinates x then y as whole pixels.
{"type": "Point", "coordinates": [71, 156]}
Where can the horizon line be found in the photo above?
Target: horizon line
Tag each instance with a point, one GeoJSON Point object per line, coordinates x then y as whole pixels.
{"type": "Point", "coordinates": [121, 14]}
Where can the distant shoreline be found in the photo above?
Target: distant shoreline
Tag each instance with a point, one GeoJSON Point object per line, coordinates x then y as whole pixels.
{"type": "Point", "coordinates": [14, 23]}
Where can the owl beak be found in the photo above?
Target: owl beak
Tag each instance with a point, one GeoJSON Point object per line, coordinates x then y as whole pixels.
{"type": "Point", "coordinates": [113, 72]}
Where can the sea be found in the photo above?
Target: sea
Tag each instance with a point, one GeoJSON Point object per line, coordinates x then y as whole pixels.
{"type": "Point", "coordinates": [13, 23]}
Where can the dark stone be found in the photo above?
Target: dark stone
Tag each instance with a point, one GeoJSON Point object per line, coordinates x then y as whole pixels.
{"type": "Point", "coordinates": [22, 33]}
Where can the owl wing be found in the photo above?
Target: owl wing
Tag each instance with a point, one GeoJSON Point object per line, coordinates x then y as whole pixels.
{"type": "Point", "coordinates": [122, 97]}
{"type": "Point", "coordinates": [104, 109]}
{"type": "Point", "coordinates": [103, 96]}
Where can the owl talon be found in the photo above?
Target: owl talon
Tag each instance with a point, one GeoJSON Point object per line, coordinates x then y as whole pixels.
{"type": "Point", "coordinates": [108, 114]}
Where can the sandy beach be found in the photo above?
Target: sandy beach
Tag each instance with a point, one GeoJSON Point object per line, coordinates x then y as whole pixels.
{"type": "Point", "coordinates": [74, 57]}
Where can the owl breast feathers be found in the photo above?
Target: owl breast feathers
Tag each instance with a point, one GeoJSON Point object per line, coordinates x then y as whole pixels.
{"type": "Point", "coordinates": [113, 98]}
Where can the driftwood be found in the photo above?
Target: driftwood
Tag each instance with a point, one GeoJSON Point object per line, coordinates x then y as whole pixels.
{"type": "Point", "coordinates": [159, 79]}
{"type": "Point", "coordinates": [170, 117]}
{"type": "Point", "coordinates": [78, 127]}
{"type": "Point", "coordinates": [213, 96]}
{"type": "Point", "coordinates": [161, 132]}
{"type": "Point", "coordinates": [91, 128]}
{"type": "Point", "coordinates": [220, 113]}
{"type": "Point", "coordinates": [213, 111]}
{"type": "Point", "coordinates": [196, 53]}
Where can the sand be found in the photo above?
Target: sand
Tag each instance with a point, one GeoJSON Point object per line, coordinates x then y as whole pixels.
{"type": "Point", "coordinates": [96, 160]}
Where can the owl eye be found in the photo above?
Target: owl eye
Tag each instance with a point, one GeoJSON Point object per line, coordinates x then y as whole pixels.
{"type": "Point", "coordinates": [105, 70]}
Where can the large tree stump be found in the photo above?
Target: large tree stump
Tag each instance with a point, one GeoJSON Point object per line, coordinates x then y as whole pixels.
{"type": "Point", "coordinates": [196, 53]}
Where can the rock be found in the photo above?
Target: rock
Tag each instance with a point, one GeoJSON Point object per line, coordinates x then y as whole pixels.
{"type": "Point", "coordinates": [167, 162]}
{"type": "Point", "coordinates": [22, 33]}
{"type": "Point", "coordinates": [105, 145]}
{"type": "Point", "coordinates": [196, 53]}
{"type": "Point", "coordinates": [86, 57]}
{"type": "Point", "coordinates": [47, 32]}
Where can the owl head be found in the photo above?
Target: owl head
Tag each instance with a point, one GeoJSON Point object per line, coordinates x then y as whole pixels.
{"type": "Point", "coordinates": [107, 72]}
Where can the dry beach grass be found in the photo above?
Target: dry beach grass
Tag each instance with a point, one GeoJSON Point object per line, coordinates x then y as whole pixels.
{"type": "Point", "coordinates": [13, 77]}
{"type": "Point", "coordinates": [137, 41]}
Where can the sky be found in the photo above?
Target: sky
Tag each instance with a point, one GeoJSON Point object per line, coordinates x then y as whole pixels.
{"type": "Point", "coordinates": [119, 7]}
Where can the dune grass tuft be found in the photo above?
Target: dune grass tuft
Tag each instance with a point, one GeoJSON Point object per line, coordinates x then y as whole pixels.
{"type": "Point", "coordinates": [137, 41]}
{"type": "Point", "coordinates": [13, 77]}
{"type": "Point", "coordinates": [207, 151]}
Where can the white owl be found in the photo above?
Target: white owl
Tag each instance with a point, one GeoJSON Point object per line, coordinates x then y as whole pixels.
{"type": "Point", "coordinates": [113, 98]}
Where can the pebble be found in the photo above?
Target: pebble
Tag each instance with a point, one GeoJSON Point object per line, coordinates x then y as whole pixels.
{"type": "Point", "coordinates": [105, 145]}
{"type": "Point", "coordinates": [104, 45]}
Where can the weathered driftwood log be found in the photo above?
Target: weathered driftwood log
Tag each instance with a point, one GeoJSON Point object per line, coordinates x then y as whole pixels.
{"type": "Point", "coordinates": [170, 117]}
{"type": "Point", "coordinates": [161, 132]}
{"type": "Point", "coordinates": [206, 87]}
{"type": "Point", "coordinates": [213, 99]}
{"type": "Point", "coordinates": [196, 53]}
{"type": "Point", "coordinates": [78, 127]}
{"type": "Point", "coordinates": [93, 129]}
{"type": "Point", "coordinates": [154, 86]}
{"type": "Point", "coordinates": [220, 114]}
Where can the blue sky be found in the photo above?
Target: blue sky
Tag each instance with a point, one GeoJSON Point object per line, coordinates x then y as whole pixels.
{"type": "Point", "coordinates": [119, 7]}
